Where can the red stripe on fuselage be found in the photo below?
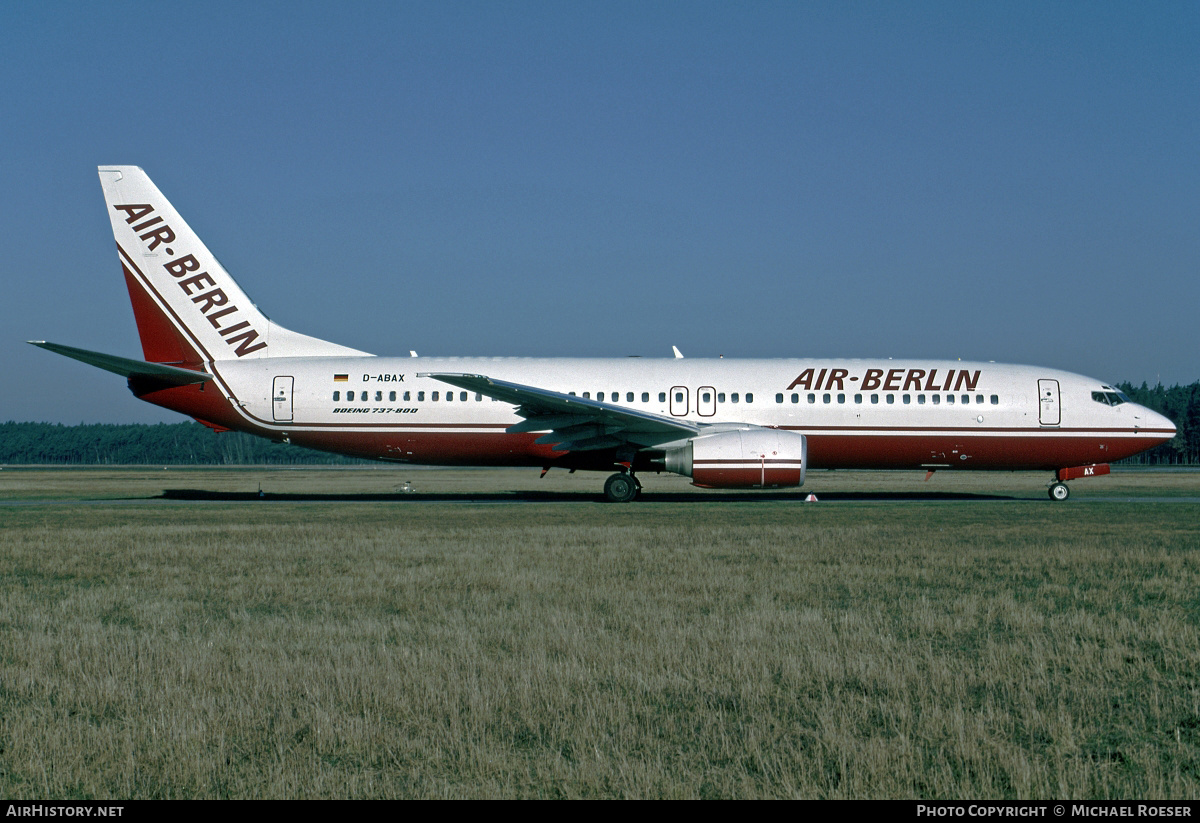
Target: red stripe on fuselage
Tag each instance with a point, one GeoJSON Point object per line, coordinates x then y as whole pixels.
{"type": "Point", "coordinates": [866, 451]}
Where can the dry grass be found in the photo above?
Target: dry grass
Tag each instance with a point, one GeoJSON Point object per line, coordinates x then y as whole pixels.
{"type": "Point", "coordinates": [727, 649]}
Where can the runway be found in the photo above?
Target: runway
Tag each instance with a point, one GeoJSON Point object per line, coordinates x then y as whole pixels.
{"type": "Point", "coordinates": [201, 497]}
{"type": "Point", "coordinates": [399, 486]}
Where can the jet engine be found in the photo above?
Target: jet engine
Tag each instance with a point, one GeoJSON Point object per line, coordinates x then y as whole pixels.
{"type": "Point", "coordinates": [741, 459]}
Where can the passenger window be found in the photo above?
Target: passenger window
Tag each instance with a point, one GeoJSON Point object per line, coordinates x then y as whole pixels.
{"type": "Point", "coordinates": [891, 399]}
{"type": "Point", "coordinates": [706, 397]}
{"type": "Point", "coordinates": [841, 398]}
{"type": "Point", "coordinates": [795, 397]}
{"type": "Point", "coordinates": [920, 400]}
{"type": "Point", "coordinates": [449, 397]}
{"type": "Point", "coordinates": [433, 396]}
{"type": "Point", "coordinates": [462, 396]}
{"type": "Point", "coordinates": [337, 395]}
{"type": "Point", "coordinates": [378, 397]}
{"type": "Point", "coordinates": [407, 396]}
{"type": "Point", "coordinates": [420, 397]}
{"type": "Point", "coordinates": [858, 398]}
{"type": "Point", "coordinates": [749, 397]}
{"type": "Point", "coordinates": [779, 398]}
{"type": "Point", "coordinates": [875, 399]}
{"type": "Point", "coordinates": [907, 399]}
{"type": "Point", "coordinates": [825, 398]}
{"type": "Point", "coordinates": [812, 398]}
{"type": "Point", "coordinates": [720, 397]}
{"type": "Point", "coordinates": [678, 397]}
{"type": "Point", "coordinates": [733, 398]}
{"type": "Point", "coordinates": [662, 397]}
{"type": "Point", "coordinates": [645, 397]}
{"type": "Point", "coordinates": [587, 395]}
{"type": "Point", "coordinates": [478, 397]}
{"type": "Point", "coordinates": [937, 399]}
{"type": "Point", "coordinates": [978, 399]}
{"type": "Point", "coordinates": [628, 397]}
{"type": "Point", "coordinates": [600, 395]}
{"type": "Point", "coordinates": [995, 400]}
{"type": "Point", "coordinates": [950, 399]}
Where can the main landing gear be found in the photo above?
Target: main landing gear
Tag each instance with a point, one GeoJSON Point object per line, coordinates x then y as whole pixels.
{"type": "Point", "coordinates": [1059, 491]}
{"type": "Point", "coordinates": [622, 487]}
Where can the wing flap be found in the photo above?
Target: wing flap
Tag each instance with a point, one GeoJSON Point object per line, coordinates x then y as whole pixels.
{"type": "Point", "coordinates": [589, 444]}
{"type": "Point", "coordinates": [543, 423]}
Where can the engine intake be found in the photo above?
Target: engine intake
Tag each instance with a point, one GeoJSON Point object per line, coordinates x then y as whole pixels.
{"type": "Point", "coordinates": [742, 459]}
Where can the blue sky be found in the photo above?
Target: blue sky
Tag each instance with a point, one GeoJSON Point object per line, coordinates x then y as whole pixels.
{"type": "Point", "coordinates": [1016, 182]}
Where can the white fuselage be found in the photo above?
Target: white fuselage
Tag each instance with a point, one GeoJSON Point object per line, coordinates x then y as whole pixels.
{"type": "Point", "coordinates": [855, 413]}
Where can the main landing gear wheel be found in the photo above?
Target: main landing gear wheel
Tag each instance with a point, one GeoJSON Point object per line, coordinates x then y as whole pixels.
{"type": "Point", "coordinates": [621, 488]}
{"type": "Point", "coordinates": [1059, 491]}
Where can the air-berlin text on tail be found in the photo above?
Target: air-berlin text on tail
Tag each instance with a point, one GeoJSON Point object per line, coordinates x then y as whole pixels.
{"type": "Point", "coordinates": [198, 285]}
{"type": "Point", "coordinates": [890, 380]}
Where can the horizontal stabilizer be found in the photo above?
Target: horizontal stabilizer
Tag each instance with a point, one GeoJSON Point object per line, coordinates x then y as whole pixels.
{"type": "Point", "coordinates": [127, 367]}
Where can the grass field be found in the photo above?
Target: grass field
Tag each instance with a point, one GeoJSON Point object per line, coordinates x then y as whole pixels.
{"type": "Point", "coordinates": [893, 642]}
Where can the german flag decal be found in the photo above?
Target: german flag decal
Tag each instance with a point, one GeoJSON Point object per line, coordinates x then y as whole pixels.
{"type": "Point", "coordinates": [340, 378]}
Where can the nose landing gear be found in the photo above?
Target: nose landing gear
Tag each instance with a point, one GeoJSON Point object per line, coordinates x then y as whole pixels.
{"type": "Point", "coordinates": [1058, 489]}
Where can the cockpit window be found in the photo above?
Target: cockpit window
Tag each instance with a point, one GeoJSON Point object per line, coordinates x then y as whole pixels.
{"type": "Point", "coordinates": [1110, 398]}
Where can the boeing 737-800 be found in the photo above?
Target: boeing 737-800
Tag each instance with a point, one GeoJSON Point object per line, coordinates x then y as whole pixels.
{"type": "Point", "coordinates": [725, 423]}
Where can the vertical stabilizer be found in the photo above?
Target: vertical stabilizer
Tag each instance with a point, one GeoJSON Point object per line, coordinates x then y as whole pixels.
{"type": "Point", "coordinates": [188, 308]}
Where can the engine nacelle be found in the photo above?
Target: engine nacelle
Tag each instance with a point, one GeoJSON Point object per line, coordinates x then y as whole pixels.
{"type": "Point", "coordinates": [742, 459]}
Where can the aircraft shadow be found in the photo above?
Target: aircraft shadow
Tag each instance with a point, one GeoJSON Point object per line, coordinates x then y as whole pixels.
{"type": "Point", "coordinates": [527, 496]}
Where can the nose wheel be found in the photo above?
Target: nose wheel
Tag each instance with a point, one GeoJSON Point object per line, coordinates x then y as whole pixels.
{"type": "Point", "coordinates": [621, 487]}
{"type": "Point", "coordinates": [1059, 491]}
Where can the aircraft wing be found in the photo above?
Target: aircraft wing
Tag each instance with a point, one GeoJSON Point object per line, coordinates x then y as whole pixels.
{"type": "Point", "coordinates": [575, 423]}
{"type": "Point", "coordinates": [127, 367]}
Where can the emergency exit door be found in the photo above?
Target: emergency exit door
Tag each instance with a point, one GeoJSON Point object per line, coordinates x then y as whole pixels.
{"type": "Point", "coordinates": [281, 399]}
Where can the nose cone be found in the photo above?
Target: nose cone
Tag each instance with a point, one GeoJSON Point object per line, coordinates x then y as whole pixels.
{"type": "Point", "coordinates": [1156, 424]}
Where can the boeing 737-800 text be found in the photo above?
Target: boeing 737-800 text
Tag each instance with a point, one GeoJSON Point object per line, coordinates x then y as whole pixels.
{"type": "Point", "coordinates": [726, 423]}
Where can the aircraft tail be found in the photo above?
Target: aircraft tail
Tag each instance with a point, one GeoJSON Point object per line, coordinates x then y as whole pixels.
{"type": "Point", "coordinates": [188, 308]}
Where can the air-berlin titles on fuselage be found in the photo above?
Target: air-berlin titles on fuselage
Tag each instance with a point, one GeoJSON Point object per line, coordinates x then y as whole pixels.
{"type": "Point", "coordinates": [214, 304]}
{"type": "Point", "coordinates": [890, 380]}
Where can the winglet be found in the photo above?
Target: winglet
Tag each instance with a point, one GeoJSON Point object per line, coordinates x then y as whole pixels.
{"type": "Point", "coordinates": [678, 353]}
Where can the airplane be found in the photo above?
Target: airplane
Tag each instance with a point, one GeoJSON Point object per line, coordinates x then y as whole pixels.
{"type": "Point", "coordinates": [725, 423]}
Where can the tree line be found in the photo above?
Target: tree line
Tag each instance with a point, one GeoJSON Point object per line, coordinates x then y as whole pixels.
{"type": "Point", "coordinates": [191, 444]}
{"type": "Point", "coordinates": [1182, 405]}
{"type": "Point", "coordinates": [180, 444]}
